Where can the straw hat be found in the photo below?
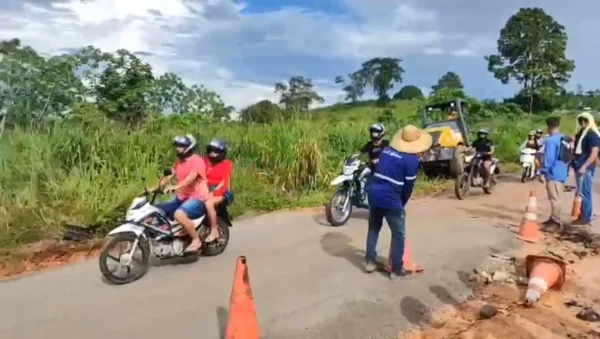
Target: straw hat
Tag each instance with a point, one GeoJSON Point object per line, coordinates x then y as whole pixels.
{"type": "Point", "coordinates": [412, 140]}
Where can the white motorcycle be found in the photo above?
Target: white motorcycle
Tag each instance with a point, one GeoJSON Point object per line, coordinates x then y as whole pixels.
{"type": "Point", "coordinates": [528, 167]}
{"type": "Point", "coordinates": [351, 193]}
{"type": "Point", "coordinates": [147, 230]}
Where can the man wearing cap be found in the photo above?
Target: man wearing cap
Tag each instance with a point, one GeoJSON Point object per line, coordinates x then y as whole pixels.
{"type": "Point", "coordinates": [389, 191]}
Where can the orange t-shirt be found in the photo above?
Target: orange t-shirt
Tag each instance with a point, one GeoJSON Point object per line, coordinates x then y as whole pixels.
{"type": "Point", "coordinates": [199, 188]}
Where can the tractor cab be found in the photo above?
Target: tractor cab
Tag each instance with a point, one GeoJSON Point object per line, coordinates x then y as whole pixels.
{"type": "Point", "coordinates": [445, 122]}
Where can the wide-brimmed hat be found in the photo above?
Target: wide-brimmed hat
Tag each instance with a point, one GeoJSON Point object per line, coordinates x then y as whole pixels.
{"type": "Point", "coordinates": [412, 140]}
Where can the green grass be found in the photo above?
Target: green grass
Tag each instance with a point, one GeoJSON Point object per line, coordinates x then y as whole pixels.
{"type": "Point", "coordinates": [87, 173]}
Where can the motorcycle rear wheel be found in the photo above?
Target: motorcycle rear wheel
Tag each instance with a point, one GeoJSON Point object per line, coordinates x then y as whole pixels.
{"type": "Point", "coordinates": [218, 247]}
{"type": "Point", "coordinates": [144, 263]}
{"type": "Point", "coordinates": [331, 208]}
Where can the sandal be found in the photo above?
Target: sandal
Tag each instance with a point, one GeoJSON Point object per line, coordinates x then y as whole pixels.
{"type": "Point", "coordinates": [188, 251]}
{"type": "Point", "coordinates": [212, 240]}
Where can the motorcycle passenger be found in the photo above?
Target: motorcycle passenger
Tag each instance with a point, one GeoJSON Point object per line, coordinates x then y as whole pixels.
{"type": "Point", "coordinates": [218, 175]}
{"type": "Point", "coordinates": [531, 142]}
{"type": "Point", "coordinates": [484, 146]}
{"type": "Point", "coordinates": [191, 189]}
{"type": "Point", "coordinates": [375, 145]}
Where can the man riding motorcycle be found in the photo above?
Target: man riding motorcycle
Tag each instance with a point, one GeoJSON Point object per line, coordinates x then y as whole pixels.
{"type": "Point", "coordinates": [374, 147]}
{"type": "Point", "coordinates": [484, 146]}
{"type": "Point", "coordinates": [191, 189]}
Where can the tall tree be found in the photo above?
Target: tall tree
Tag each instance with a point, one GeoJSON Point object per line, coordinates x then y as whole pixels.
{"type": "Point", "coordinates": [382, 74]}
{"type": "Point", "coordinates": [298, 94]}
{"type": "Point", "coordinates": [448, 80]}
{"type": "Point", "coordinates": [354, 86]}
{"type": "Point", "coordinates": [35, 89]}
{"type": "Point", "coordinates": [531, 50]}
{"type": "Point", "coordinates": [409, 92]}
{"type": "Point", "coordinates": [123, 87]}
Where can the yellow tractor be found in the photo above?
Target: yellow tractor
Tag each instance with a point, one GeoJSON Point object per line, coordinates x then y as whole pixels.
{"type": "Point", "coordinates": [445, 122]}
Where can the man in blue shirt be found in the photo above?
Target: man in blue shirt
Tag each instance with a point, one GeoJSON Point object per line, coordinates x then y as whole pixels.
{"type": "Point", "coordinates": [390, 188]}
{"type": "Point", "coordinates": [554, 171]}
{"type": "Point", "coordinates": [587, 143]}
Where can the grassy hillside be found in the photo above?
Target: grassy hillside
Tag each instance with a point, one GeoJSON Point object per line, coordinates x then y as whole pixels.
{"type": "Point", "coordinates": [87, 172]}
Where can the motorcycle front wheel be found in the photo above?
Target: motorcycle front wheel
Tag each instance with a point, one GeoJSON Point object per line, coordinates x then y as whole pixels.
{"type": "Point", "coordinates": [132, 272]}
{"type": "Point", "coordinates": [462, 185]}
{"type": "Point", "coordinates": [336, 211]}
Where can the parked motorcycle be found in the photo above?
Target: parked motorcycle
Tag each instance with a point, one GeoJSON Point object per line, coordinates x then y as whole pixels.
{"type": "Point", "coordinates": [147, 230]}
{"type": "Point", "coordinates": [471, 177]}
{"type": "Point", "coordinates": [352, 191]}
{"type": "Point", "coordinates": [528, 167]}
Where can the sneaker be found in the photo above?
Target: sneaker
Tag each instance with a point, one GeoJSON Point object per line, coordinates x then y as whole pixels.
{"type": "Point", "coordinates": [370, 267]}
{"type": "Point", "coordinates": [396, 275]}
{"type": "Point", "coordinates": [551, 226]}
{"type": "Point", "coordinates": [581, 222]}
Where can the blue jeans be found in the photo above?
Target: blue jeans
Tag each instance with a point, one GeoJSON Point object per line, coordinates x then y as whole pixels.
{"type": "Point", "coordinates": [584, 188]}
{"type": "Point", "coordinates": [396, 221]}
{"type": "Point", "coordinates": [227, 197]}
{"type": "Point", "coordinates": [193, 208]}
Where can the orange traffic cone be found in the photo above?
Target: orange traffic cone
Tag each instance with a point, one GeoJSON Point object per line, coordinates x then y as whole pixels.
{"type": "Point", "coordinates": [242, 323]}
{"type": "Point", "coordinates": [529, 226]}
{"type": "Point", "coordinates": [544, 273]}
{"type": "Point", "coordinates": [576, 210]}
{"type": "Point", "coordinates": [407, 263]}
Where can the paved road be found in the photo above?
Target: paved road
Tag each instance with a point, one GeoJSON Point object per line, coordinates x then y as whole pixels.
{"type": "Point", "coordinates": [306, 279]}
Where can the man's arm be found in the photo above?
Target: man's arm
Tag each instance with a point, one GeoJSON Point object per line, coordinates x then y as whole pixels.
{"type": "Point", "coordinates": [410, 175]}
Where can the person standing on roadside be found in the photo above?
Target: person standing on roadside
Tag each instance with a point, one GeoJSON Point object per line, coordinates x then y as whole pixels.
{"type": "Point", "coordinates": [554, 171]}
{"type": "Point", "coordinates": [390, 189]}
{"type": "Point", "coordinates": [587, 143]}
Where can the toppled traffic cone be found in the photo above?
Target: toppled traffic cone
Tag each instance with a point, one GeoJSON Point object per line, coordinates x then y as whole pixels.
{"type": "Point", "coordinates": [407, 263]}
{"type": "Point", "coordinates": [529, 230]}
{"type": "Point", "coordinates": [242, 323]}
{"type": "Point", "coordinates": [544, 273]}
{"type": "Point", "coordinates": [576, 209]}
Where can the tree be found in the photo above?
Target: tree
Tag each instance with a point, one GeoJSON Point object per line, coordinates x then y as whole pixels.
{"type": "Point", "coordinates": [35, 89]}
{"type": "Point", "coordinates": [409, 92]}
{"type": "Point", "coordinates": [382, 74]}
{"type": "Point", "coordinates": [531, 50]}
{"type": "Point", "coordinates": [354, 87]}
{"type": "Point", "coordinates": [298, 94]}
{"type": "Point", "coordinates": [124, 86]}
{"type": "Point", "coordinates": [448, 80]}
{"type": "Point", "coordinates": [261, 112]}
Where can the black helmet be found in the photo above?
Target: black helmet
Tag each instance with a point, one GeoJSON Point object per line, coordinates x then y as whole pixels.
{"type": "Point", "coordinates": [376, 131]}
{"type": "Point", "coordinates": [216, 150]}
{"type": "Point", "coordinates": [187, 142]}
{"type": "Point", "coordinates": [483, 133]}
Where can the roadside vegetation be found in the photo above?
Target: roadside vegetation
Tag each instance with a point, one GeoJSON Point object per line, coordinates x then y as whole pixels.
{"type": "Point", "coordinates": [78, 131]}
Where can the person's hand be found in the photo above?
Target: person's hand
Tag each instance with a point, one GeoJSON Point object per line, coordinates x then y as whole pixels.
{"type": "Point", "coordinates": [375, 161]}
{"type": "Point", "coordinates": [169, 189]}
{"type": "Point", "coordinates": [582, 170]}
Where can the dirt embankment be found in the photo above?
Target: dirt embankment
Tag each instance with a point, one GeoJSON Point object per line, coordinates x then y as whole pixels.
{"type": "Point", "coordinates": [500, 284]}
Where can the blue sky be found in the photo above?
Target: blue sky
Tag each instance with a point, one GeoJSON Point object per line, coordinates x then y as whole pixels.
{"type": "Point", "coordinates": [241, 48]}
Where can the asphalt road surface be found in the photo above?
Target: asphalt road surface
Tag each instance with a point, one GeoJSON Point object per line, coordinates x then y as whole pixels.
{"type": "Point", "coordinates": [306, 277]}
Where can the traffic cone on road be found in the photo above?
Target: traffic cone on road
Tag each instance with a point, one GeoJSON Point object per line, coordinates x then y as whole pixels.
{"type": "Point", "coordinates": [544, 273]}
{"type": "Point", "coordinates": [407, 263]}
{"type": "Point", "coordinates": [576, 209]}
{"type": "Point", "coordinates": [529, 230]}
{"type": "Point", "coordinates": [242, 323]}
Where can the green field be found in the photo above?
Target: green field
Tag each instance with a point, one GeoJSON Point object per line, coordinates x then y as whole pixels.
{"type": "Point", "coordinates": [87, 173]}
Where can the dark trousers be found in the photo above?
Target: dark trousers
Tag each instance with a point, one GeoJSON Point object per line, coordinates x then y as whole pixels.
{"type": "Point", "coordinates": [396, 221]}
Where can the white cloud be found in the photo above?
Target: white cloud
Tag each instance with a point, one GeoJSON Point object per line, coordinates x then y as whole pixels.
{"type": "Point", "coordinates": [238, 53]}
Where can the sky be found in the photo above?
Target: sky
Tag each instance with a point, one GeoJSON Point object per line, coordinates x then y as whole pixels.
{"type": "Point", "coordinates": [241, 48]}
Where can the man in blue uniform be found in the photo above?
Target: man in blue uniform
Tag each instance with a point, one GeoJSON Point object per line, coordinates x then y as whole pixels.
{"type": "Point", "coordinates": [390, 189]}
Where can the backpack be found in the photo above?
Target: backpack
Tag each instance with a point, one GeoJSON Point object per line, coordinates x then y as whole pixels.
{"type": "Point", "coordinates": [565, 153]}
